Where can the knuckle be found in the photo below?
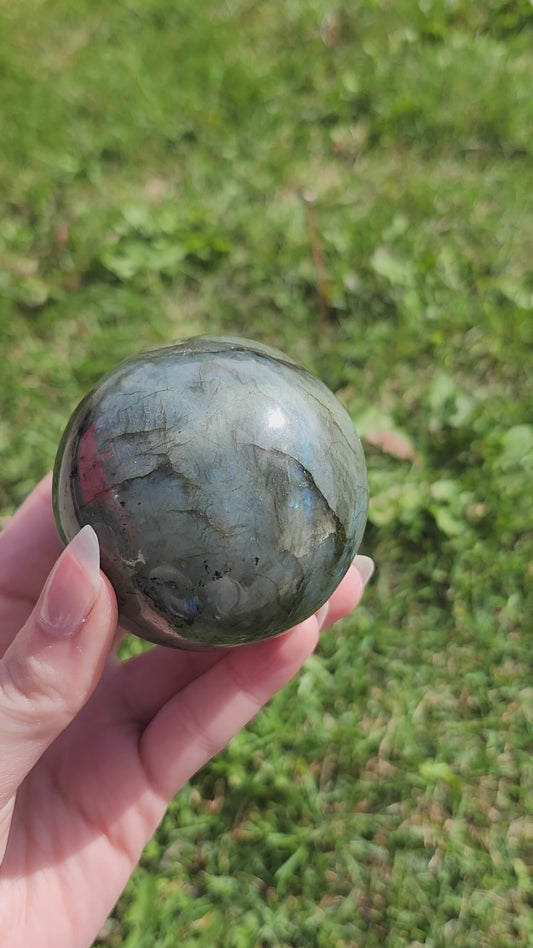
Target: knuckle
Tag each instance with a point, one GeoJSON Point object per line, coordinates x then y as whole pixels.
{"type": "Point", "coordinates": [199, 730]}
{"type": "Point", "coordinates": [241, 685]}
{"type": "Point", "coordinates": [32, 695]}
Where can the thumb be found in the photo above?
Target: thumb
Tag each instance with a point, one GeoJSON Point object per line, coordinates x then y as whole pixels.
{"type": "Point", "coordinates": [54, 663]}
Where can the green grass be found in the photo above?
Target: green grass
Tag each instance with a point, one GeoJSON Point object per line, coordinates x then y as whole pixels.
{"type": "Point", "coordinates": [170, 169]}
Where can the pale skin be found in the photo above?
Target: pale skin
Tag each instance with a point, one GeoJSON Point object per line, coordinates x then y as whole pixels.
{"type": "Point", "coordinates": [91, 748]}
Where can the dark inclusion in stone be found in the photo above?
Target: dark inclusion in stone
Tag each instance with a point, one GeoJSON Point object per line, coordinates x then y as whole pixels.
{"type": "Point", "coordinates": [227, 487]}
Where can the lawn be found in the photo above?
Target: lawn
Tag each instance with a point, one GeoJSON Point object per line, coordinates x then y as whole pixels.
{"type": "Point", "coordinates": [353, 183]}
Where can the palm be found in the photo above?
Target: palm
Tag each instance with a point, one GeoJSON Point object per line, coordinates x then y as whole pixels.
{"type": "Point", "coordinates": [86, 809]}
{"type": "Point", "coordinates": [76, 813]}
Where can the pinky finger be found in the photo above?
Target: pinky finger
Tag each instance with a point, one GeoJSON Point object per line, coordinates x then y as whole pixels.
{"type": "Point", "coordinates": [348, 592]}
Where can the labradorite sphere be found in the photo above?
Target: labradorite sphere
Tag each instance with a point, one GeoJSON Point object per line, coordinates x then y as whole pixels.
{"type": "Point", "coordinates": [227, 487]}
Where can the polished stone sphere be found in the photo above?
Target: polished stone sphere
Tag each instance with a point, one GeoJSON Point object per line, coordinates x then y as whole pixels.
{"type": "Point", "coordinates": [227, 487]}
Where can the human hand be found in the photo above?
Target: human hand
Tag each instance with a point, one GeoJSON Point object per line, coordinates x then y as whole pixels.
{"type": "Point", "coordinates": [91, 748]}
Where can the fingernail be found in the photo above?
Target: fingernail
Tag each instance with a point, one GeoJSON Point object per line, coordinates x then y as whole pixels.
{"type": "Point", "coordinates": [365, 566]}
{"type": "Point", "coordinates": [86, 550]}
{"type": "Point", "coordinates": [72, 587]}
{"type": "Point", "coordinates": [322, 615]}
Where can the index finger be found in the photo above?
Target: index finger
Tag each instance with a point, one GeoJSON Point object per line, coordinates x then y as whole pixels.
{"type": "Point", "coordinates": [29, 545]}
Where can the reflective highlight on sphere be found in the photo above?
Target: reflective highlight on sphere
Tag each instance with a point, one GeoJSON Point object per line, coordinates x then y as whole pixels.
{"type": "Point", "coordinates": [227, 487]}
